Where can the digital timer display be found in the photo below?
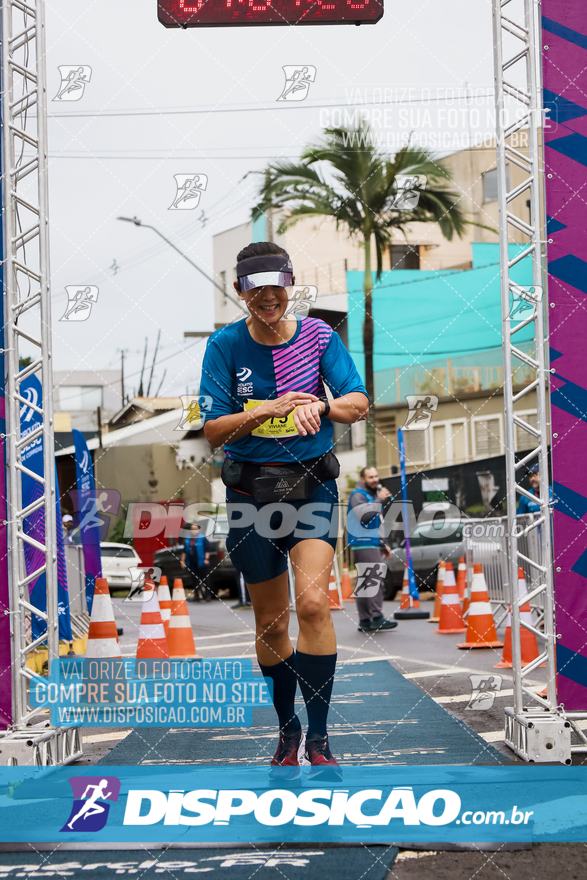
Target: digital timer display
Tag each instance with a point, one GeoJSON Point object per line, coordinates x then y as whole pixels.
{"type": "Point", "coordinates": [211, 13]}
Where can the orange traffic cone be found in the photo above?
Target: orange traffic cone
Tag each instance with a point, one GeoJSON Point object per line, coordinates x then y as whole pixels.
{"type": "Point", "coordinates": [462, 578]}
{"type": "Point", "coordinates": [102, 636]}
{"type": "Point", "coordinates": [528, 643]}
{"type": "Point", "coordinates": [164, 597]}
{"type": "Point", "coordinates": [438, 601]}
{"type": "Point", "coordinates": [180, 636]}
{"type": "Point", "coordinates": [409, 607]}
{"type": "Point", "coordinates": [152, 642]}
{"type": "Point", "coordinates": [346, 587]}
{"type": "Point", "coordinates": [333, 594]}
{"type": "Point", "coordinates": [451, 618]}
{"type": "Point", "coordinates": [407, 601]}
{"type": "Point", "coordinates": [480, 624]}
{"type": "Point", "coordinates": [467, 596]}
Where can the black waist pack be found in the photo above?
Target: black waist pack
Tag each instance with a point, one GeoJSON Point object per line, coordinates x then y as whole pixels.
{"type": "Point", "coordinates": [280, 482]}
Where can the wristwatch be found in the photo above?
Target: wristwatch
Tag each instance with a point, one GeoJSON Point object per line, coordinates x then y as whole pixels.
{"type": "Point", "coordinates": [326, 403]}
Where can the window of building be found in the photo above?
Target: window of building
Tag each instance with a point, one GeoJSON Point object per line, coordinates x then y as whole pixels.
{"type": "Point", "coordinates": [487, 436]}
{"type": "Point", "coordinates": [223, 283]}
{"type": "Point", "coordinates": [342, 437]}
{"type": "Point", "coordinates": [416, 443]}
{"type": "Point", "coordinates": [490, 184]}
{"type": "Point", "coordinates": [404, 256]}
{"type": "Point", "coordinates": [449, 442]}
{"type": "Point", "coordinates": [79, 397]}
{"type": "Point", "coordinates": [524, 440]}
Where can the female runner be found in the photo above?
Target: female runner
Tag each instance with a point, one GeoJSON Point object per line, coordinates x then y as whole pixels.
{"type": "Point", "coordinates": [266, 375]}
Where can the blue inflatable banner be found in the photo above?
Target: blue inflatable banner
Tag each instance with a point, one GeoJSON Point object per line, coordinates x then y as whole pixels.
{"type": "Point", "coordinates": [384, 804]}
{"type": "Point", "coordinates": [34, 524]}
{"type": "Point", "coordinates": [89, 523]}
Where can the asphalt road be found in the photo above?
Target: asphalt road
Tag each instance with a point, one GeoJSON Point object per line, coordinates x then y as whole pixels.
{"type": "Point", "coordinates": [434, 664]}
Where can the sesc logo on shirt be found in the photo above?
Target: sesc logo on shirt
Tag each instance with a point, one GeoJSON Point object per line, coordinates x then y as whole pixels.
{"type": "Point", "coordinates": [244, 388]}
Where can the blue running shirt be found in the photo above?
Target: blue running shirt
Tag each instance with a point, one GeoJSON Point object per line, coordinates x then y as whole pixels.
{"type": "Point", "coordinates": [239, 373]}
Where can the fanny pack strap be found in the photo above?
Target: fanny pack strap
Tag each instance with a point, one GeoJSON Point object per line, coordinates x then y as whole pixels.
{"type": "Point", "coordinates": [262, 480]}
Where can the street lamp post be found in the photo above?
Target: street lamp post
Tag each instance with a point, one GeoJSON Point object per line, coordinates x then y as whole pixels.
{"type": "Point", "coordinates": [138, 222]}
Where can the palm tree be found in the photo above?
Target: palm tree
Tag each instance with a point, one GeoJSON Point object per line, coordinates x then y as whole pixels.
{"type": "Point", "coordinates": [356, 186]}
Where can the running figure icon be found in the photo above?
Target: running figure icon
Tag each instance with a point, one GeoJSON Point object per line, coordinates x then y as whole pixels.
{"type": "Point", "coordinates": [91, 807]}
{"type": "Point", "coordinates": [73, 82]}
{"type": "Point", "coordinates": [297, 82]}
{"type": "Point", "coordinates": [421, 409]}
{"type": "Point", "coordinates": [189, 191]}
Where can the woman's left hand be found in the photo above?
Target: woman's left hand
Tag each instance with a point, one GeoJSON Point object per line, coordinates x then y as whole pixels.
{"type": "Point", "coordinates": [307, 418]}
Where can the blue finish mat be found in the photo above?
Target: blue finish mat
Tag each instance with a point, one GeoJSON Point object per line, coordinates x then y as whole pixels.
{"type": "Point", "coordinates": [376, 717]}
{"type": "Point", "coordinates": [278, 863]}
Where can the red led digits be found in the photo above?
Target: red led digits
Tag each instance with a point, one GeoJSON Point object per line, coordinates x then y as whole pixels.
{"type": "Point", "coordinates": [218, 13]}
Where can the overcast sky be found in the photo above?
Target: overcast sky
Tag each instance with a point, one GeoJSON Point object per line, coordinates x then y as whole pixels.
{"type": "Point", "coordinates": [141, 67]}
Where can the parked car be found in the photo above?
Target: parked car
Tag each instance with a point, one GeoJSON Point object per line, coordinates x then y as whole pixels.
{"type": "Point", "coordinates": [117, 560]}
{"type": "Point", "coordinates": [222, 572]}
{"type": "Point", "coordinates": [429, 546]}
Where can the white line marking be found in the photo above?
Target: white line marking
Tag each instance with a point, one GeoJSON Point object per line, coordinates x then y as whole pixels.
{"type": "Point", "coordinates": [243, 632]}
{"type": "Point", "coordinates": [106, 737]}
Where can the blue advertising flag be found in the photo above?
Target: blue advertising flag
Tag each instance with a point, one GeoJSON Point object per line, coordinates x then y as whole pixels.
{"type": "Point", "coordinates": [89, 521]}
{"type": "Point", "coordinates": [34, 524]}
{"type": "Point", "coordinates": [402, 463]}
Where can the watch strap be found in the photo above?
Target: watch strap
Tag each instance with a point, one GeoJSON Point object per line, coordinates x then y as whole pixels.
{"type": "Point", "coordinates": [326, 403]}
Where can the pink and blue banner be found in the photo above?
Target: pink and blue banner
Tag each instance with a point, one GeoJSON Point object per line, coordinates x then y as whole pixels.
{"type": "Point", "coordinates": [34, 524]}
{"type": "Point", "coordinates": [89, 522]}
{"type": "Point", "coordinates": [564, 53]}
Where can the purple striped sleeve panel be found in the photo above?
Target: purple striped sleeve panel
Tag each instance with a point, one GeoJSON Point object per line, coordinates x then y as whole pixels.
{"type": "Point", "coordinates": [297, 365]}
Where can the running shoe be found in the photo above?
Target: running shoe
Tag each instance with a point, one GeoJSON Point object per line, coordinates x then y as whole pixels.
{"type": "Point", "coordinates": [285, 764]}
{"type": "Point", "coordinates": [324, 767]}
{"type": "Point", "coordinates": [380, 623]}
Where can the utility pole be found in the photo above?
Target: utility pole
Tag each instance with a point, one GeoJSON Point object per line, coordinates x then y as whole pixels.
{"type": "Point", "coordinates": [123, 351]}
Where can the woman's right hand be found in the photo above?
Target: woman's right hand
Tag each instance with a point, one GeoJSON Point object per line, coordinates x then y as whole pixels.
{"type": "Point", "coordinates": [282, 406]}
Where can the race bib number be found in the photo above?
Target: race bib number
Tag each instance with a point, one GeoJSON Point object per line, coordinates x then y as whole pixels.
{"type": "Point", "coordinates": [275, 427]}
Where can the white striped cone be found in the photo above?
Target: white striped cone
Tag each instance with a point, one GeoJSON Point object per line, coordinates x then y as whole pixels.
{"type": "Point", "coordinates": [180, 637]}
{"type": "Point", "coordinates": [164, 597]}
{"type": "Point", "coordinates": [480, 624]}
{"type": "Point", "coordinates": [451, 619]}
{"type": "Point", "coordinates": [102, 635]}
{"type": "Point", "coordinates": [528, 643]}
{"type": "Point", "coordinates": [152, 641]}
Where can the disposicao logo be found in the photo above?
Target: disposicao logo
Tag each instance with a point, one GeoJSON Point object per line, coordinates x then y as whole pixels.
{"type": "Point", "coordinates": [320, 806]}
{"type": "Point", "coordinates": [90, 802]}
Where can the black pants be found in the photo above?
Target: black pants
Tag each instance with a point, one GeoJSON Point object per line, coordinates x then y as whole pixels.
{"type": "Point", "coordinates": [199, 576]}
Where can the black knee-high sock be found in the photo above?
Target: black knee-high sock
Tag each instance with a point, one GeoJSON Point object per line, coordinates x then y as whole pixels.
{"type": "Point", "coordinates": [316, 677]}
{"type": "Point", "coordinates": [285, 682]}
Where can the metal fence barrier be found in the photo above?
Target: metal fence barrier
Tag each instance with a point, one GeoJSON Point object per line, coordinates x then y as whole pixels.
{"type": "Point", "coordinates": [485, 542]}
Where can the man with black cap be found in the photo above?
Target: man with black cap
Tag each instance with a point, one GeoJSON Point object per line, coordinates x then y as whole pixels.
{"type": "Point", "coordinates": [526, 505]}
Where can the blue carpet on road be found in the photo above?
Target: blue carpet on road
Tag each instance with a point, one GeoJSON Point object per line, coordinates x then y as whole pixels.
{"type": "Point", "coordinates": [278, 863]}
{"type": "Point", "coordinates": [376, 717]}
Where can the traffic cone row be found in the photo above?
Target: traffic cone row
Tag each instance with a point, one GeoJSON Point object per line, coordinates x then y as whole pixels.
{"type": "Point", "coordinates": [165, 628]}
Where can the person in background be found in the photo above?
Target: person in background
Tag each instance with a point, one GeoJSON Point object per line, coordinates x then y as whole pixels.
{"type": "Point", "coordinates": [196, 558]}
{"type": "Point", "coordinates": [367, 541]}
{"type": "Point", "coordinates": [243, 593]}
{"type": "Point", "coordinates": [67, 521]}
{"type": "Point", "coordinates": [526, 505]}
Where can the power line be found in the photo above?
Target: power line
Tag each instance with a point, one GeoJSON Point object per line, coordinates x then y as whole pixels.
{"type": "Point", "coordinates": [263, 107]}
